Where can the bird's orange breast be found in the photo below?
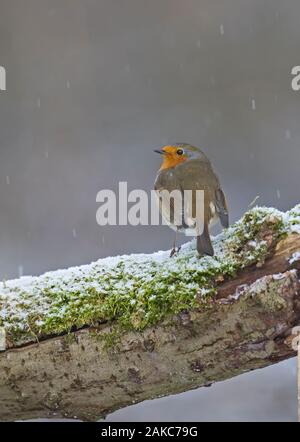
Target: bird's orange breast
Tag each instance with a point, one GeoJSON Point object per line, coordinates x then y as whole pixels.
{"type": "Point", "coordinates": [170, 158]}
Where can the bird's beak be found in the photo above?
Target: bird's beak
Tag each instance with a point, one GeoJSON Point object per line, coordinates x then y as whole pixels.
{"type": "Point", "coordinates": [160, 151]}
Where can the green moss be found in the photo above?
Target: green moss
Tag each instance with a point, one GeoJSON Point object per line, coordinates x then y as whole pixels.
{"type": "Point", "coordinates": [136, 291]}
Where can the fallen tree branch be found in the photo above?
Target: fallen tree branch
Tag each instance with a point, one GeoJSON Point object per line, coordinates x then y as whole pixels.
{"type": "Point", "coordinates": [87, 341]}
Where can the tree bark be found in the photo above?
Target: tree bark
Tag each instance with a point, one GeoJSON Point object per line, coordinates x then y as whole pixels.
{"type": "Point", "coordinates": [247, 326]}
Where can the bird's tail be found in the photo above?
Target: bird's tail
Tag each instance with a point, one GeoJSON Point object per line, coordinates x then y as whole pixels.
{"type": "Point", "coordinates": [204, 245]}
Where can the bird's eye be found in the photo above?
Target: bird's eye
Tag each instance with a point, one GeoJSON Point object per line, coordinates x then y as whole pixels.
{"type": "Point", "coordinates": [180, 152]}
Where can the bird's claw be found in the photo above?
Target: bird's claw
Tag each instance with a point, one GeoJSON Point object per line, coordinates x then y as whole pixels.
{"type": "Point", "coordinates": [174, 251]}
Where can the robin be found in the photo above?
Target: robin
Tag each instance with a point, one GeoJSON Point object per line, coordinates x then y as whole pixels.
{"type": "Point", "coordinates": [187, 168]}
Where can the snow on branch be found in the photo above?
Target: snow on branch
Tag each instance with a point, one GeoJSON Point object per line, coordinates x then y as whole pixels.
{"type": "Point", "coordinates": [137, 291]}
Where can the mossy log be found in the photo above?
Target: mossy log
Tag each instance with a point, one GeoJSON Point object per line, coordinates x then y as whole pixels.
{"type": "Point", "coordinates": [88, 341]}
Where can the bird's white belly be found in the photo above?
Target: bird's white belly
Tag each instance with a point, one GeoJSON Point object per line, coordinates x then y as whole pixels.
{"type": "Point", "coordinates": [193, 231]}
{"type": "Point", "coordinates": [194, 228]}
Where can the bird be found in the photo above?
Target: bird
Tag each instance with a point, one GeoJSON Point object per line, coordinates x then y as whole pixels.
{"type": "Point", "coordinates": [187, 168]}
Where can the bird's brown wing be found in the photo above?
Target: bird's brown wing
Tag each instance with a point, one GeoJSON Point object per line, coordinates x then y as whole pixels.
{"type": "Point", "coordinates": [221, 208]}
{"type": "Point", "coordinates": [198, 175]}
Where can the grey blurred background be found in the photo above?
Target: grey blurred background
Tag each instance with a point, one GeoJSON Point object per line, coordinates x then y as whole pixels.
{"type": "Point", "coordinates": [93, 86]}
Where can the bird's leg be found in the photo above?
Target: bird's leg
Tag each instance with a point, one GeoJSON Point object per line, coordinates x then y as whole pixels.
{"type": "Point", "coordinates": [173, 251]}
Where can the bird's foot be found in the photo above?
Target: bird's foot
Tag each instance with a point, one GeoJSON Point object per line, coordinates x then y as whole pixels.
{"type": "Point", "coordinates": [174, 251]}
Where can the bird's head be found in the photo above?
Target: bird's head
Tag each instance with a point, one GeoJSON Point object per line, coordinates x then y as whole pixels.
{"type": "Point", "coordinates": [175, 154]}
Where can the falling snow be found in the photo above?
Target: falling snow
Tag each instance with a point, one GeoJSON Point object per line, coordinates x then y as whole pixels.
{"type": "Point", "coordinates": [287, 134]}
{"type": "Point", "coordinates": [20, 271]}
